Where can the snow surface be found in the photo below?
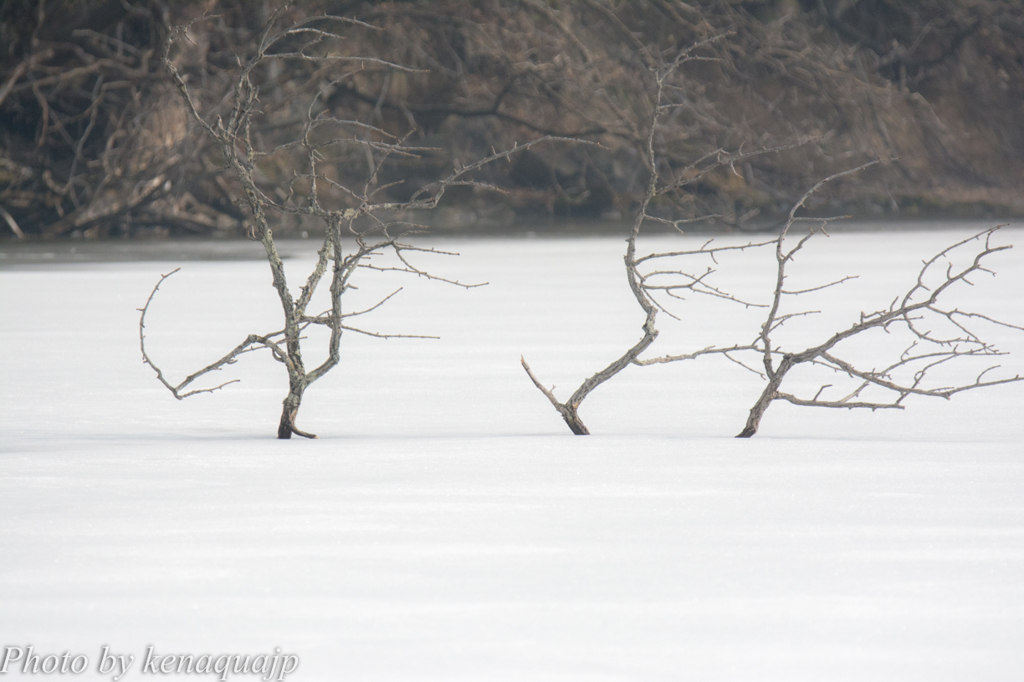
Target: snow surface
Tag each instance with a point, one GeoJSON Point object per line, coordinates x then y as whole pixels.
{"type": "Point", "coordinates": [446, 526]}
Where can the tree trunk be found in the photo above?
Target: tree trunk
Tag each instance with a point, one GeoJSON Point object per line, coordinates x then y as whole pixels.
{"type": "Point", "coordinates": [284, 429]}
{"type": "Point", "coordinates": [572, 419]}
{"type": "Point", "coordinates": [758, 410]}
{"type": "Point", "coordinates": [290, 409]}
{"type": "Point", "coordinates": [770, 393]}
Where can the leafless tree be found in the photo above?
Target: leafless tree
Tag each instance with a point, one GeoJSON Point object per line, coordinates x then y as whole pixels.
{"type": "Point", "coordinates": [317, 189]}
{"type": "Point", "coordinates": [937, 334]}
{"type": "Point", "coordinates": [645, 276]}
{"type": "Point", "coordinates": [934, 333]}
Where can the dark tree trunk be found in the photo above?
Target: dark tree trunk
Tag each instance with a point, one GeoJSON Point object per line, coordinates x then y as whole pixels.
{"type": "Point", "coordinates": [573, 420]}
{"type": "Point", "coordinates": [289, 410]}
{"type": "Point", "coordinates": [284, 429]}
{"type": "Point", "coordinates": [771, 391]}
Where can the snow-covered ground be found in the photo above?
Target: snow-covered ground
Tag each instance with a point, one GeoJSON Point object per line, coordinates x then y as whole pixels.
{"type": "Point", "coordinates": [446, 525]}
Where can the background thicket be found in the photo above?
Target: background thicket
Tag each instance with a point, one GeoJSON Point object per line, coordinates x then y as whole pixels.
{"type": "Point", "coordinates": [94, 140]}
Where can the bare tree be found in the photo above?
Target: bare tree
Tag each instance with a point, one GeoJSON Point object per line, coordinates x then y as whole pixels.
{"type": "Point", "coordinates": [918, 311]}
{"type": "Point", "coordinates": [665, 181]}
{"type": "Point", "coordinates": [934, 334]}
{"type": "Point", "coordinates": [320, 156]}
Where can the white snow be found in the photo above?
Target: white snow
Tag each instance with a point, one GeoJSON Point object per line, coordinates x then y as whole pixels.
{"type": "Point", "coordinates": [446, 525]}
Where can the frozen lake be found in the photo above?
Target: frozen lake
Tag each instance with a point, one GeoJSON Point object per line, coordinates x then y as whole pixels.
{"type": "Point", "coordinates": [447, 526]}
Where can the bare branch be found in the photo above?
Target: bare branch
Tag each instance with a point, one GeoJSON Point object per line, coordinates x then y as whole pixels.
{"type": "Point", "coordinates": [176, 390]}
{"type": "Point", "coordinates": [709, 350]}
{"type": "Point", "coordinates": [9, 219]}
{"type": "Point", "coordinates": [844, 404]}
{"type": "Point", "coordinates": [797, 292]}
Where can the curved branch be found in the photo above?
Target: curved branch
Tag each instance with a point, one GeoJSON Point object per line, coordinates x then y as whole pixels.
{"type": "Point", "coordinates": [176, 390]}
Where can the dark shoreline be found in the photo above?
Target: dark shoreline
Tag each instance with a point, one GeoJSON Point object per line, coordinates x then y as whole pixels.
{"type": "Point", "coordinates": [17, 253]}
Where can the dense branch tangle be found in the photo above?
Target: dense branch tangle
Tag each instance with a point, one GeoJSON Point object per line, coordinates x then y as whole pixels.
{"type": "Point", "coordinates": [316, 190]}
{"type": "Point", "coordinates": [85, 142]}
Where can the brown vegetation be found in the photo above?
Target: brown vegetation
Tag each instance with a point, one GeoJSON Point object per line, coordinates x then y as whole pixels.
{"type": "Point", "coordinates": [94, 140]}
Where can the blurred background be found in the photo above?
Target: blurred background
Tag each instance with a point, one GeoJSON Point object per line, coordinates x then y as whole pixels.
{"type": "Point", "coordinates": [97, 143]}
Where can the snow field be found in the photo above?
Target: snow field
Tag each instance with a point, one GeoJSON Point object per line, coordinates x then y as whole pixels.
{"type": "Point", "coordinates": [446, 526]}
